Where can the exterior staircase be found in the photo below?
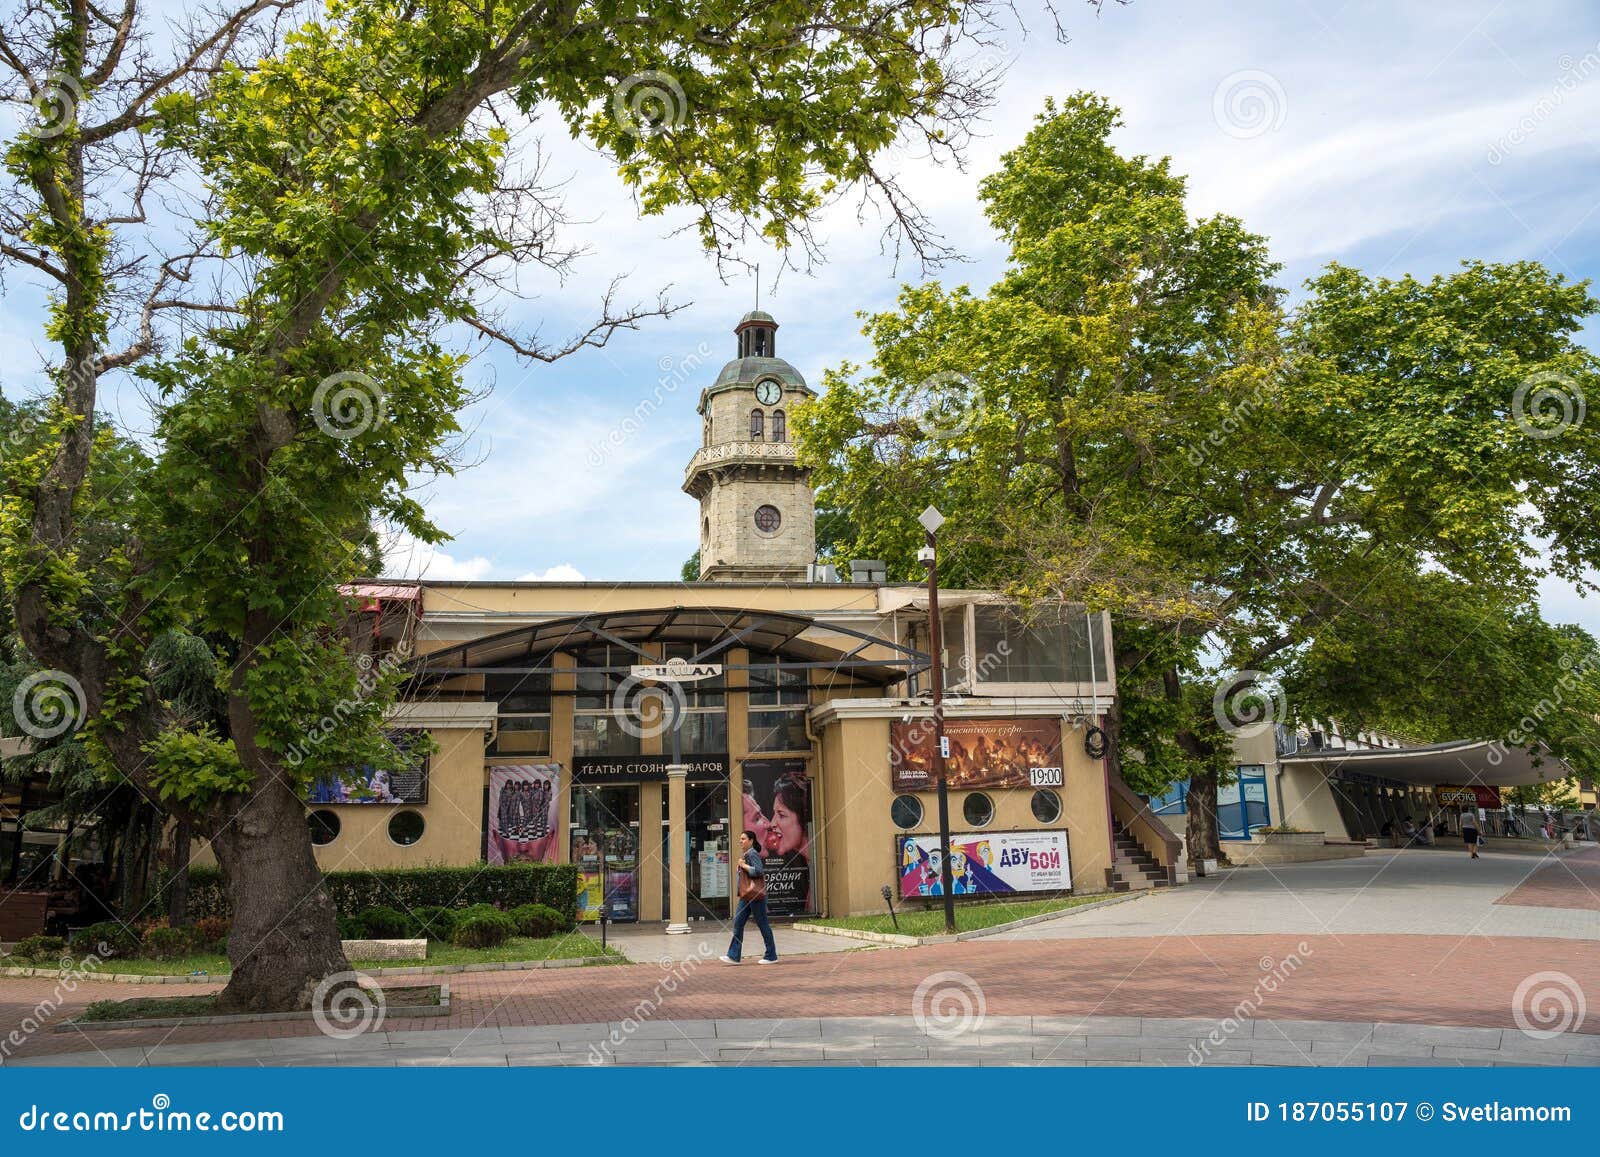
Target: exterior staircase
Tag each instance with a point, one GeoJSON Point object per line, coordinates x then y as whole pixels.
{"type": "Point", "coordinates": [1134, 868]}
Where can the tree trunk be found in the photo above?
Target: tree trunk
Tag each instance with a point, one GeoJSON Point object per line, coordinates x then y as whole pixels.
{"type": "Point", "coordinates": [178, 897]}
{"type": "Point", "coordinates": [285, 938]}
{"type": "Point", "coordinates": [1202, 828]}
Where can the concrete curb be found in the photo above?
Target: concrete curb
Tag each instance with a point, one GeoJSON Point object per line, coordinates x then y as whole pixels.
{"type": "Point", "coordinates": [976, 934]}
{"type": "Point", "coordinates": [222, 977]}
{"type": "Point", "coordinates": [74, 1025]}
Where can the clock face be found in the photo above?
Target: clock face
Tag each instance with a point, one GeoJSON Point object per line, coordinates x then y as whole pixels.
{"type": "Point", "coordinates": [768, 393]}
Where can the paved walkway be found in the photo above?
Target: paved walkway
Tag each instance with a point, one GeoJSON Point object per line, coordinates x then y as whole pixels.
{"type": "Point", "coordinates": [872, 1041]}
{"type": "Point", "coordinates": [1410, 937]}
{"type": "Point", "coordinates": [1425, 892]}
{"type": "Point", "coordinates": [708, 939]}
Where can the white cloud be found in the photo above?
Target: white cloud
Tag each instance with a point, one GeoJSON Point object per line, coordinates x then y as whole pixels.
{"type": "Point", "coordinates": [561, 573]}
{"type": "Point", "coordinates": [405, 557]}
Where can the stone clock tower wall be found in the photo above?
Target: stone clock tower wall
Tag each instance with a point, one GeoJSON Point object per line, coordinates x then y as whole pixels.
{"type": "Point", "coordinates": [757, 511]}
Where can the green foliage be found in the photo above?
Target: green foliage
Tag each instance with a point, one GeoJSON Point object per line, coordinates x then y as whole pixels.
{"type": "Point", "coordinates": [161, 942]}
{"type": "Point", "coordinates": [538, 921]}
{"type": "Point", "coordinates": [382, 923]}
{"type": "Point", "coordinates": [38, 950]}
{"type": "Point", "coordinates": [483, 929]}
{"type": "Point", "coordinates": [690, 572]}
{"type": "Point", "coordinates": [1343, 496]}
{"type": "Point", "coordinates": [415, 890]}
{"type": "Point", "coordinates": [108, 939]}
{"type": "Point", "coordinates": [433, 922]}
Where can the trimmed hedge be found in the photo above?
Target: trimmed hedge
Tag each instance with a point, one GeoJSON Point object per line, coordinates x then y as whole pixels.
{"type": "Point", "coordinates": [408, 889]}
{"type": "Point", "coordinates": [483, 928]}
{"type": "Point", "coordinates": [537, 920]}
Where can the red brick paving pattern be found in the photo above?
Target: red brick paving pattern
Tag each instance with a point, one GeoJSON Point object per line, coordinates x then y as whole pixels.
{"type": "Point", "coordinates": [1570, 881]}
{"type": "Point", "coordinates": [1445, 980]}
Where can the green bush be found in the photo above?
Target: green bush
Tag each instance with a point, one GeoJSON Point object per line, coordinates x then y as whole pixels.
{"type": "Point", "coordinates": [352, 928]}
{"type": "Point", "coordinates": [107, 939]}
{"type": "Point", "coordinates": [213, 932]}
{"type": "Point", "coordinates": [381, 923]}
{"type": "Point", "coordinates": [537, 920]}
{"type": "Point", "coordinates": [163, 943]}
{"type": "Point", "coordinates": [434, 923]}
{"type": "Point", "coordinates": [484, 930]}
{"type": "Point", "coordinates": [408, 889]}
{"type": "Point", "coordinates": [39, 949]}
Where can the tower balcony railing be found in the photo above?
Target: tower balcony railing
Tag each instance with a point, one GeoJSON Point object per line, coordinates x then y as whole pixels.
{"type": "Point", "coordinates": [740, 451]}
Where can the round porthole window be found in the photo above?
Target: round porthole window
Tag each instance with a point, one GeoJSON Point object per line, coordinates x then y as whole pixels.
{"type": "Point", "coordinates": [977, 809]}
{"type": "Point", "coordinates": [405, 828]}
{"type": "Point", "coordinates": [768, 519]}
{"type": "Point", "coordinates": [906, 811]}
{"type": "Point", "coordinates": [1046, 806]}
{"type": "Point", "coordinates": [324, 826]}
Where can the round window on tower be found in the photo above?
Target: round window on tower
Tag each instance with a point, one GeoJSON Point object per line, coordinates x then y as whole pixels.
{"type": "Point", "coordinates": [768, 519]}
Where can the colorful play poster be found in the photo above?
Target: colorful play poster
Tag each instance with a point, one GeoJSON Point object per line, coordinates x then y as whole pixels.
{"type": "Point", "coordinates": [613, 887]}
{"type": "Point", "coordinates": [983, 753]}
{"type": "Point", "coordinates": [777, 807]}
{"type": "Point", "coordinates": [522, 814]}
{"type": "Point", "coordinates": [373, 785]}
{"type": "Point", "coordinates": [991, 863]}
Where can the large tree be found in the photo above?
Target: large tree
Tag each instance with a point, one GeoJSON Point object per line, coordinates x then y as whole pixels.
{"type": "Point", "coordinates": [1263, 494]}
{"type": "Point", "coordinates": [356, 195]}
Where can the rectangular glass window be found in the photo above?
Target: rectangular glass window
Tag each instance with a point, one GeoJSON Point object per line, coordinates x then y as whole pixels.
{"type": "Point", "coordinates": [1049, 647]}
{"type": "Point", "coordinates": [602, 735]}
{"type": "Point", "coordinates": [779, 699]}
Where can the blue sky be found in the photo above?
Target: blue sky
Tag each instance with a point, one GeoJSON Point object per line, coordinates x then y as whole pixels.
{"type": "Point", "coordinates": [1400, 138]}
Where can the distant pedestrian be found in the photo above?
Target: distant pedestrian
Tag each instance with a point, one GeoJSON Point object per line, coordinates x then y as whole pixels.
{"type": "Point", "coordinates": [1469, 831]}
{"type": "Point", "coordinates": [752, 901]}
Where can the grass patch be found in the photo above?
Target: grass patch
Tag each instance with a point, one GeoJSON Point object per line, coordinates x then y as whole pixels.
{"type": "Point", "coordinates": [969, 917]}
{"type": "Point", "coordinates": [163, 1007]}
{"type": "Point", "coordinates": [567, 946]}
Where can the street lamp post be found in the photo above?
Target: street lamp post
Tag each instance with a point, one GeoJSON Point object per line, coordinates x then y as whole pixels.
{"type": "Point", "coordinates": [931, 521]}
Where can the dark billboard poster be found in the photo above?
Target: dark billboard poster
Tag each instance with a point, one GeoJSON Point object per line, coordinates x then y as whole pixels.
{"type": "Point", "coordinates": [643, 768]}
{"type": "Point", "coordinates": [777, 807]}
{"type": "Point", "coordinates": [983, 753]}
{"type": "Point", "coordinates": [409, 784]}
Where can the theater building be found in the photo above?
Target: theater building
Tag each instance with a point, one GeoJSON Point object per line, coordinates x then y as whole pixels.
{"type": "Point", "coordinates": [636, 728]}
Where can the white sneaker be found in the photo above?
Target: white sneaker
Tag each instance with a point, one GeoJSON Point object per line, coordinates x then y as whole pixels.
{"type": "Point", "coordinates": [764, 960]}
{"type": "Point", "coordinates": [728, 960]}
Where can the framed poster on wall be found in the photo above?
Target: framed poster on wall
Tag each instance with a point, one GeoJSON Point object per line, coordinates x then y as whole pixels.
{"type": "Point", "coordinates": [777, 807]}
{"type": "Point", "coordinates": [985, 864]}
{"type": "Point", "coordinates": [983, 753]}
{"type": "Point", "coordinates": [522, 824]}
{"type": "Point", "coordinates": [368, 785]}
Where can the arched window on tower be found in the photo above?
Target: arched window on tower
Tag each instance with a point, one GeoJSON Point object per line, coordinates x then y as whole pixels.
{"type": "Point", "coordinates": [757, 424]}
{"type": "Point", "coordinates": [780, 426]}
{"type": "Point", "coordinates": [760, 335]}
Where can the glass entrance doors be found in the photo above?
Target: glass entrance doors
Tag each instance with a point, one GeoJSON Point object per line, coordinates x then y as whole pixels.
{"type": "Point", "coordinates": [605, 848]}
{"type": "Point", "coordinates": [708, 852]}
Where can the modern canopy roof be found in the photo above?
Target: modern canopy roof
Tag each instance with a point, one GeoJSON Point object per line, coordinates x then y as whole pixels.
{"type": "Point", "coordinates": [1464, 761]}
{"type": "Point", "coordinates": [714, 630]}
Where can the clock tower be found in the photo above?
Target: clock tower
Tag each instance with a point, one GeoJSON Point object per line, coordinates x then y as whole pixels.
{"type": "Point", "coordinates": [757, 513]}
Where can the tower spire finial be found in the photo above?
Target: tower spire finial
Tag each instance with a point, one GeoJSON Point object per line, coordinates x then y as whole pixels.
{"type": "Point", "coordinates": [758, 285]}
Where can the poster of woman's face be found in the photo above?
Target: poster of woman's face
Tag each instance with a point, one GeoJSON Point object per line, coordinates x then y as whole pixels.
{"type": "Point", "coordinates": [522, 814]}
{"type": "Point", "coordinates": [777, 807]}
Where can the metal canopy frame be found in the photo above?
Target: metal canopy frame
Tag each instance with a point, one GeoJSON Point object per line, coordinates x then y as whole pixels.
{"type": "Point", "coordinates": [717, 628]}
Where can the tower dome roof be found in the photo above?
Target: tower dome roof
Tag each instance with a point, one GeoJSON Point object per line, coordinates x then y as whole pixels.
{"type": "Point", "coordinates": [757, 315]}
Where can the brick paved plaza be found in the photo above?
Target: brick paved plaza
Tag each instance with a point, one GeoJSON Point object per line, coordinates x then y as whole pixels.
{"type": "Point", "coordinates": [1142, 982]}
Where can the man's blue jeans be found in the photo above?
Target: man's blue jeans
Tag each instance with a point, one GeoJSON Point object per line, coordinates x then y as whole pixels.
{"type": "Point", "coordinates": [747, 909]}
